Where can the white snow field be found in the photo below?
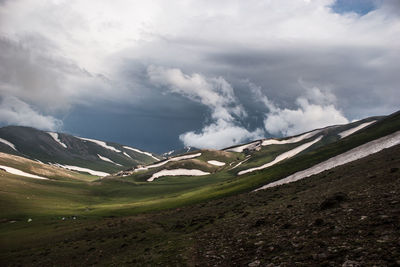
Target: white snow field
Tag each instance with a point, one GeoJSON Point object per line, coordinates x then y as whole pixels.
{"type": "Point", "coordinates": [108, 160]}
{"type": "Point", "coordinates": [283, 156]}
{"type": "Point", "coordinates": [81, 169]}
{"type": "Point", "coordinates": [355, 129]}
{"type": "Point", "coordinates": [168, 160]}
{"type": "Point", "coordinates": [243, 147]}
{"type": "Point", "coordinates": [177, 172]}
{"type": "Point", "coordinates": [55, 137]}
{"type": "Point", "coordinates": [141, 152]}
{"type": "Point", "coordinates": [100, 143]}
{"type": "Point", "coordinates": [216, 162]}
{"type": "Point", "coordinates": [290, 140]}
{"type": "Point", "coordinates": [351, 155]}
{"type": "Point", "coordinates": [21, 173]}
{"type": "Point", "coordinates": [8, 143]}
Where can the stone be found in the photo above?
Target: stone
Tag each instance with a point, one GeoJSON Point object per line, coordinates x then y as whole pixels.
{"type": "Point", "coordinates": [254, 263]}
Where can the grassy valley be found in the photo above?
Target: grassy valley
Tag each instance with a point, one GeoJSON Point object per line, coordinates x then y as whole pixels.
{"type": "Point", "coordinates": [211, 219]}
{"type": "Point", "coordinates": [343, 215]}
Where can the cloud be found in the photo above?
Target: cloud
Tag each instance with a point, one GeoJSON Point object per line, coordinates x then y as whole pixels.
{"type": "Point", "coordinates": [220, 134]}
{"type": "Point", "coordinates": [358, 55]}
{"type": "Point", "coordinates": [60, 55]}
{"type": "Point", "coordinates": [215, 93]}
{"type": "Point", "coordinates": [31, 71]}
{"type": "Point", "coordinates": [306, 117]}
{"type": "Point", "coordinates": [314, 110]}
{"type": "Point", "coordinates": [391, 7]}
{"type": "Point", "coordinates": [16, 112]}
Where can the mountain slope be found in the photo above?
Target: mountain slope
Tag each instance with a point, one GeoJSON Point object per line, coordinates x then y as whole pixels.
{"type": "Point", "coordinates": [347, 216]}
{"type": "Point", "coordinates": [251, 157]}
{"type": "Point", "coordinates": [190, 178]}
{"type": "Point", "coordinates": [67, 150]}
{"type": "Point", "coordinates": [342, 215]}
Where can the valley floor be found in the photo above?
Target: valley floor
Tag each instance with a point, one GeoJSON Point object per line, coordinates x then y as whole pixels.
{"type": "Point", "coordinates": [347, 216]}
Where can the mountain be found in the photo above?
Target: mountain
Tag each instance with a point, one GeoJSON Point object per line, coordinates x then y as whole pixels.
{"type": "Point", "coordinates": [76, 153]}
{"type": "Point", "coordinates": [325, 197]}
{"type": "Point", "coordinates": [248, 158]}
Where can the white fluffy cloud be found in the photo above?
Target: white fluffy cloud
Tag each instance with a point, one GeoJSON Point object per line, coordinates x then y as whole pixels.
{"type": "Point", "coordinates": [306, 117]}
{"type": "Point", "coordinates": [16, 112]}
{"type": "Point", "coordinates": [220, 134]}
{"type": "Point", "coordinates": [314, 110]}
{"type": "Point", "coordinates": [215, 93]}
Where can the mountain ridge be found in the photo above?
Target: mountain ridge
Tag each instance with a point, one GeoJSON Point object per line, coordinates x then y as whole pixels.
{"type": "Point", "coordinates": [68, 150]}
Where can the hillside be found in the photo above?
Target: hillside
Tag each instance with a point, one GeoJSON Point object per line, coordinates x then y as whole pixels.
{"type": "Point", "coordinates": [201, 206]}
{"type": "Point", "coordinates": [345, 216]}
{"type": "Point", "coordinates": [189, 178]}
{"type": "Point", "coordinates": [246, 158]}
{"type": "Point", "coordinates": [76, 153]}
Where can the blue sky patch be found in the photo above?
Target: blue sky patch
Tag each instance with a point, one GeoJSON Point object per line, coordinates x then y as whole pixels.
{"type": "Point", "coordinates": [360, 7]}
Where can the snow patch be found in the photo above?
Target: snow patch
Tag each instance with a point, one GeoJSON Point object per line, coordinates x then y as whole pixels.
{"type": "Point", "coordinates": [177, 172]}
{"type": "Point", "coordinates": [283, 156]}
{"type": "Point", "coordinates": [8, 143]}
{"type": "Point", "coordinates": [355, 129]}
{"type": "Point", "coordinates": [140, 151]}
{"type": "Point", "coordinates": [168, 153]}
{"type": "Point", "coordinates": [108, 160]}
{"type": "Point", "coordinates": [57, 139]}
{"type": "Point", "coordinates": [100, 143]}
{"type": "Point", "coordinates": [290, 140]}
{"type": "Point", "coordinates": [81, 169]}
{"type": "Point", "coordinates": [191, 156]}
{"type": "Point", "coordinates": [349, 156]}
{"type": "Point", "coordinates": [168, 160]}
{"type": "Point", "coordinates": [243, 147]}
{"type": "Point", "coordinates": [240, 163]}
{"type": "Point", "coordinates": [126, 154]}
{"type": "Point", "coordinates": [21, 173]}
{"type": "Point", "coordinates": [216, 162]}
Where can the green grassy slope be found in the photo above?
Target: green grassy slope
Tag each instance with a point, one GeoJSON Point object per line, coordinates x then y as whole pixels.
{"type": "Point", "coordinates": [347, 215]}
{"type": "Point", "coordinates": [132, 194]}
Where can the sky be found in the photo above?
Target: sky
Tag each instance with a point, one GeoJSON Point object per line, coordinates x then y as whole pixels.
{"type": "Point", "coordinates": [160, 75]}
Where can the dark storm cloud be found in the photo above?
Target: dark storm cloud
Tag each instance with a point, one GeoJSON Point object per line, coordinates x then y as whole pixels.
{"type": "Point", "coordinates": [32, 73]}
{"type": "Point", "coordinates": [353, 74]}
{"type": "Point", "coordinates": [293, 55]}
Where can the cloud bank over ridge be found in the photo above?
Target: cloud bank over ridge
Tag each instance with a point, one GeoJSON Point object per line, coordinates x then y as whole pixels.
{"type": "Point", "coordinates": [314, 110]}
{"type": "Point", "coordinates": [215, 93]}
{"type": "Point", "coordinates": [126, 57]}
